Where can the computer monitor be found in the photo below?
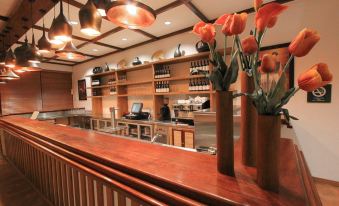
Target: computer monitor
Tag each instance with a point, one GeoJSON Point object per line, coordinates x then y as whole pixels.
{"type": "Point", "coordinates": [136, 108]}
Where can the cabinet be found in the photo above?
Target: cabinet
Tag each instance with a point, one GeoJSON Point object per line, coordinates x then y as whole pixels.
{"type": "Point", "coordinates": [183, 138]}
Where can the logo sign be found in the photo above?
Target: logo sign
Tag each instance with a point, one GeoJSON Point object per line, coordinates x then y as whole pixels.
{"type": "Point", "coordinates": [320, 95]}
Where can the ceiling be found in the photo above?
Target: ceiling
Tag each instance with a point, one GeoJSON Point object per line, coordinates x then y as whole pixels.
{"type": "Point", "coordinates": [182, 15]}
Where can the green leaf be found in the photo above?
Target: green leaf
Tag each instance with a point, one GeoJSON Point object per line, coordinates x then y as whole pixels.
{"type": "Point", "coordinates": [216, 78]}
{"type": "Point", "coordinates": [278, 92]}
{"type": "Point", "coordinates": [234, 68]}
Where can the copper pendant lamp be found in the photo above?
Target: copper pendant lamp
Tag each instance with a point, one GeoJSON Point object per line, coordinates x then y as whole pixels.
{"type": "Point", "coordinates": [43, 44]}
{"type": "Point", "coordinates": [33, 55]}
{"type": "Point", "coordinates": [90, 19]}
{"type": "Point", "coordinates": [22, 63]}
{"type": "Point", "coordinates": [69, 51]}
{"type": "Point", "coordinates": [101, 6]}
{"type": "Point", "coordinates": [61, 29]}
{"type": "Point", "coordinates": [130, 14]}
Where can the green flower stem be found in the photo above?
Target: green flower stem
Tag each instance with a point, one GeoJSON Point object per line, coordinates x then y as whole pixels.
{"type": "Point", "coordinates": [288, 63]}
{"type": "Point", "coordinates": [267, 83]}
{"type": "Point", "coordinates": [225, 47]}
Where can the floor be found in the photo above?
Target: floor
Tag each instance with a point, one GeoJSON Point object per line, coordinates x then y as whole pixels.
{"type": "Point", "coordinates": [329, 194]}
{"type": "Point", "coordinates": [15, 190]}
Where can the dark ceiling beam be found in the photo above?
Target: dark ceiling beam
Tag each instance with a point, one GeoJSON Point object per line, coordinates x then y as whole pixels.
{"type": "Point", "coordinates": [249, 10]}
{"type": "Point", "coordinates": [64, 64]}
{"type": "Point", "coordinates": [169, 6]}
{"type": "Point", "coordinates": [96, 39]}
{"type": "Point", "coordinates": [145, 33]}
{"type": "Point", "coordinates": [23, 11]}
{"type": "Point", "coordinates": [4, 18]}
{"type": "Point", "coordinates": [195, 10]}
{"type": "Point", "coordinates": [59, 60]}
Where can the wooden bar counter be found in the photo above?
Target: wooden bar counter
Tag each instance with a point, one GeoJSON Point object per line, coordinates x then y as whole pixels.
{"type": "Point", "coordinates": [120, 172]}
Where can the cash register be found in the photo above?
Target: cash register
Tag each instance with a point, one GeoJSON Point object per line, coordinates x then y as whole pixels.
{"type": "Point", "coordinates": [136, 112]}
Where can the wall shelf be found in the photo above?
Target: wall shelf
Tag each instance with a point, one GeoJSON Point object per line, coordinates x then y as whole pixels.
{"type": "Point", "coordinates": [102, 74]}
{"type": "Point", "coordinates": [102, 86]}
{"type": "Point", "coordinates": [126, 83]}
{"type": "Point", "coordinates": [179, 78]}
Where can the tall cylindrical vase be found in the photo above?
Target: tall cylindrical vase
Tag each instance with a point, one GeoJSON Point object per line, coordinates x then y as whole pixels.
{"type": "Point", "coordinates": [224, 126]}
{"type": "Point", "coordinates": [248, 122]}
{"type": "Point", "coordinates": [268, 148]}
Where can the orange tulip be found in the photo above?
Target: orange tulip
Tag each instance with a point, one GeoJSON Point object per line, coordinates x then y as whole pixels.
{"type": "Point", "coordinates": [221, 20]}
{"type": "Point", "coordinates": [205, 31]}
{"type": "Point", "coordinates": [304, 42]}
{"type": "Point", "coordinates": [272, 22]}
{"type": "Point", "coordinates": [257, 4]}
{"type": "Point", "coordinates": [267, 64]}
{"type": "Point", "coordinates": [234, 24]}
{"type": "Point", "coordinates": [266, 13]}
{"type": "Point", "coordinates": [317, 76]}
{"type": "Point", "coordinates": [249, 45]}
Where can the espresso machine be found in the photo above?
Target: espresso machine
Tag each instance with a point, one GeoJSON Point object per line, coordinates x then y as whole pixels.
{"type": "Point", "coordinates": [183, 109]}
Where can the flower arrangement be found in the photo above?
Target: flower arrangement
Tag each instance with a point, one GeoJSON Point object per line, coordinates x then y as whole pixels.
{"type": "Point", "coordinates": [272, 99]}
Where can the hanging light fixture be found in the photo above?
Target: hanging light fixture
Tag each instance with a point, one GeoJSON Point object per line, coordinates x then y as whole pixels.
{"type": "Point", "coordinates": [90, 19]}
{"type": "Point", "coordinates": [43, 44]}
{"type": "Point", "coordinates": [22, 63]}
{"type": "Point", "coordinates": [69, 51]}
{"type": "Point", "coordinates": [10, 58]}
{"type": "Point", "coordinates": [2, 81]}
{"type": "Point", "coordinates": [130, 14]}
{"type": "Point", "coordinates": [101, 6]}
{"type": "Point", "coordinates": [33, 56]}
{"type": "Point", "coordinates": [3, 53]}
{"type": "Point", "coordinates": [61, 29]}
{"type": "Point", "coordinates": [54, 41]}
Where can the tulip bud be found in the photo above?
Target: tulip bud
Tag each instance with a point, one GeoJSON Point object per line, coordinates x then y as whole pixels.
{"type": "Point", "coordinates": [235, 24]}
{"type": "Point", "coordinates": [272, 22]}
{"type": "Point", "coordinates": [205, 31]}
{"type": "Point", "coordinates": [304, 42]}
{"type": "Point", "coordinates": [249, 45]}
{"type": "Point", "coordinates": [317, 76]}
{"type": "Point", "coordinates": [257, 4]}
{"type": "Point", "coordinates": [267, 63]}
{"type": "Point", "coordinates": [266, 15]}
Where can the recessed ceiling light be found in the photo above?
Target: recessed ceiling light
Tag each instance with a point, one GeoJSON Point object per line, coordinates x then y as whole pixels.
{"type": "Point", "coordinates": [124, 39]}
{"type": "Point", "coordinates": [167, 22]}
{"type": "Point", "coordinates": [73, 22]}
{"type": "Point", "coordinates": [95, 50]}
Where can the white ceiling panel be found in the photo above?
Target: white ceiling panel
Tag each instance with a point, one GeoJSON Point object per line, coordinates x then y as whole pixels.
{"type": "Point", "coordinates": [124, 38]}
{"type": "Point", "coordinates": [95, 49]}
{"type": "Point", "coordinates": [180, 17]}
{"type": "Point", "coordinates": [156, 4]}
{"type": "Point", "coordinates": [214, 9]}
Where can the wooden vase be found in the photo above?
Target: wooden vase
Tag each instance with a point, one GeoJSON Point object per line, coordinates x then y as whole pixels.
{"type": "Point", "coordinates": [248, 122]}
{"type": "Point", "coordinates": [224, 126]}
{"type": "Point", "coordinates": [268, 147]}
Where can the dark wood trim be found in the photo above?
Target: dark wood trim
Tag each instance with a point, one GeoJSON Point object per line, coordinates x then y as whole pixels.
{"type": "Point", "coordinates": [145, 33]}
{"type": "Point", "coordinates": [168, 7]}
{"type": "Point", "coordinates": [326, 181]}
{"type": "Point", "coordinates": [195, 10]}
{"type": "Point", "coordinates": [64, 64]}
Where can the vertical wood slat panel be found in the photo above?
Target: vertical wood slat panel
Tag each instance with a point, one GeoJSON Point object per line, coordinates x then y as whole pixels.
{"type": "Point", "coordinates": [83, 189]}
{"type": "Point", "coordinates": [121, 199]}
{"type": "Point", "coordinates": [100, 192]}
{"type": "Point", "coordinates": [90, 191]}
{"type": "Point", "coordinates": [110, 196]}
{"type": "Point", "coordinates": [76, 187]}
{"type": "Point", "coordinates": [64, 184]}
{"type": "Point", "coordinates": [59, 183]}
{"type": "Point", "coordinates": [44, 176]}
{"type": "Point", "coordinates": [70, 185]}
{"type": "Point", "coordinates": [55, 191]}
{"type": "Point", "coordinates": [49, 178]}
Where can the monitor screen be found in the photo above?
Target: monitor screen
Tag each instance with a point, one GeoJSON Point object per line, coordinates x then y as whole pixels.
{"type": "Point", "coordinates": [136, 107]}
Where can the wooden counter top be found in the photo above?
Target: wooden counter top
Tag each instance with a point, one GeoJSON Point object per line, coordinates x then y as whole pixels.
{"type": "Point", "coordinates": [189, 174]}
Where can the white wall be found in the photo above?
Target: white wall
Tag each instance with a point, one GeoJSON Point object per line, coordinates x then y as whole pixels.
{"type": "Point", "coordinates": [317, 129]}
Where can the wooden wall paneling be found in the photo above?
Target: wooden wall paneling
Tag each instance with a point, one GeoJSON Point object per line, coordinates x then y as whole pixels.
{"type": "Point", "coordinates": [90, 191]}
{"type": "Point", "coordinates": [22, 95]}
{"type": "Point", "coordinates": [70, 185]}
{"type": "Point", "coordinates": [56, 90]}
{"type": "Point", "coordinates": [75, 174]}
{"type": "Point", "coordinates": [97, 109]}
{"type": "Point", "coordinates": [100, 192]}
{"type": "Point", "coordinates": [83, 189]}
{"type": "Point", "coordinates": [109, 195]}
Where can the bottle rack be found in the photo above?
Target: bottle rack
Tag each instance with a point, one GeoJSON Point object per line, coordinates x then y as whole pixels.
{"type": "Point", "coordinates": [152, 82]}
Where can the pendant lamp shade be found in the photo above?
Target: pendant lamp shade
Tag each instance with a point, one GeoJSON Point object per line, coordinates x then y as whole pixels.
{"type": "Point", "coordinates": [22, 63]}
{"type": "Point", "coordinates": [69, 51]}
{"type": "Point", "coordinates": [61, 29]}
{"type": "Point", "coordinates": [130, 14]}
{"type": "Point", "coordinates": [101, 6]}
{"type": "Point", "coordinates": [43, 44]}
{"type": "Point", "coordinates": [33, 55]}
{"type": "Point", "coordinates": [2, 81]}
{"type": "Point", "coordinates": [10, 59]}
{"type": "Point", "coordinates": [90, 19]}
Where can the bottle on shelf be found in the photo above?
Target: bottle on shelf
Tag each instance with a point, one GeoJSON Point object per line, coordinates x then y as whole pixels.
{"type": "Point", "coordinates": [113, 91]}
